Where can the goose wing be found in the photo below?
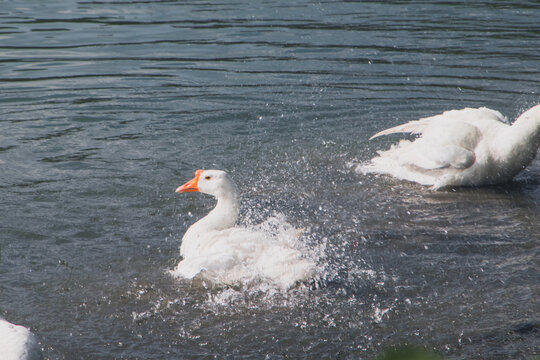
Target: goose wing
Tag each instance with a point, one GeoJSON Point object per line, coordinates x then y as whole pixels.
{"type": "Point", "coordinates": [468, 115]}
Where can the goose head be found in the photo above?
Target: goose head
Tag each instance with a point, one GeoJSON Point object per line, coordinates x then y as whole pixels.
{"type": "Point", "coordinates": [218, 184]}
{"type": "Point", "coordinates": [213, 182]}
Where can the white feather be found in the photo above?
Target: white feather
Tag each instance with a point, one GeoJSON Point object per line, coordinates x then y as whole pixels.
{"type": "Point", "coordinates": [216, 250]}
{"type": "Point", "coordinates": [460, 147]}
{"type": "Point", "coordinates": [17, 343]}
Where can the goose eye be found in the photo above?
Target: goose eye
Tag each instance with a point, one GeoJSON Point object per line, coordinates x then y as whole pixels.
{"type": "Point", "coordinates": [207, 177]}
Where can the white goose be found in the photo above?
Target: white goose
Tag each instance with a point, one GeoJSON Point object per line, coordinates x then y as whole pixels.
{"type": "Point", "coordinates": [17, 343]}
{"type": "Point", "coordinates": [217, 250]}
{"type": "Point", "coordinates": [467, 147]}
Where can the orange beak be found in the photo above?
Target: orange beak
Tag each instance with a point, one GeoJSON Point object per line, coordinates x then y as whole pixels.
{"type": "Point", "coordinates": [191, 185]}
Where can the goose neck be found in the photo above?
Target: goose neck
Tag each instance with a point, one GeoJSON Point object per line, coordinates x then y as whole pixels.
{"type": "Point", "coordinates": [224, 214]}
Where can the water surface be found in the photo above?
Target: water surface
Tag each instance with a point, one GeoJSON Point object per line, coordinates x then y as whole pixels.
{"type": "Point", "coordinates": [108, 106]}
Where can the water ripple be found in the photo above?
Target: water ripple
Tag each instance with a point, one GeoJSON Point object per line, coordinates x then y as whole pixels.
{"type": "Point", "coordinates": [108, 105]}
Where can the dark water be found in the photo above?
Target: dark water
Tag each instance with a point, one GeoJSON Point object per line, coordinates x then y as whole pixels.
{"type": "Point", "coordinates": [107, 106]}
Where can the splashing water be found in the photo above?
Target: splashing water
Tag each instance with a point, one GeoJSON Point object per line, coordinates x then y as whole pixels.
{"type": "Point", "coordinates": [269, 253]}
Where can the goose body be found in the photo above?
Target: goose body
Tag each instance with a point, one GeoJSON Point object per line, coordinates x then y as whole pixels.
{"type": "Point", "coordinates": [217, 250]}
{"type": "Point", "coordinates": [467, 147]}
{"type": "Point", "coordinates": [17, 343]}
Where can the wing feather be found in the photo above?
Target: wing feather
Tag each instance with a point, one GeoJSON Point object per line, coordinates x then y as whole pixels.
{"type": "Point", "coordinates": [466, 115]}
{"type": "Point", "coordinates": [412, 127]}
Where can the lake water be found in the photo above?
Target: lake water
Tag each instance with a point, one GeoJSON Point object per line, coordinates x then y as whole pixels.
{"type": "Point", "coordinates": [108, 106]}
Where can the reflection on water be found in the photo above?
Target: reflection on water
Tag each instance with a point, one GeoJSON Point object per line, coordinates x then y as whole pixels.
{"type": "Point", "coordinates": [108, 105]}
